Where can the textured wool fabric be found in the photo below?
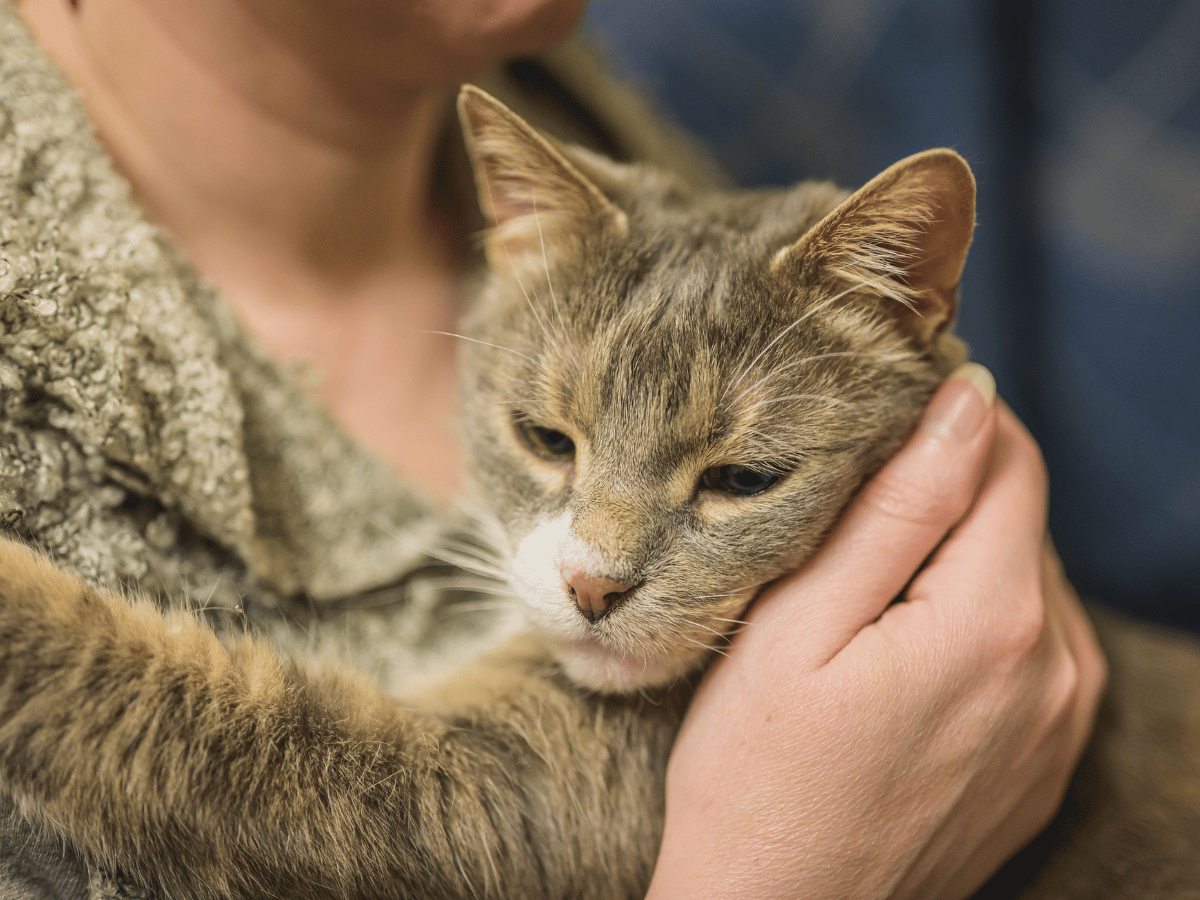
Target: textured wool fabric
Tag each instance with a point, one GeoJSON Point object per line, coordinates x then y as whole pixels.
{"type": "Point", "coordinates": [36, 866]}
{"type": "Point", "coordinates": [124, 378]}
{"type": "Point", "coordinates": [145, 441]}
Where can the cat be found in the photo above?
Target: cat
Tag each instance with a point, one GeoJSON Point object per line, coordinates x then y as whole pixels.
{"type": "Point", "coordinates": [683, 391]}
{"type": "Point", "coordinates": [669, 398]}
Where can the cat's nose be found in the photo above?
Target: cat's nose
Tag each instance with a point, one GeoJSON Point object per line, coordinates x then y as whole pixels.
{"type": "Point", "coordinates": [595, 595]}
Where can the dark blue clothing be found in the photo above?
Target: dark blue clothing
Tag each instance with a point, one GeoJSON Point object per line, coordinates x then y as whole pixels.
{"type": "Point", "coordinates": [1082, 293]}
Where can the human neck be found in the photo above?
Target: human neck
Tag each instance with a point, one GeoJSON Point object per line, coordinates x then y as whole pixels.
{"type": "Point", "coordinates": [269, 167]}
{"type": "Point", "coordinates": [304, 195]}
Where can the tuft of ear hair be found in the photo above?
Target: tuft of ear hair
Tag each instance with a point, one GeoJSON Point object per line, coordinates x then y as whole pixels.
{"type": "Point", "coordinates": [901, 239]}
{"type": "Point", "coordinates": [530, 193]}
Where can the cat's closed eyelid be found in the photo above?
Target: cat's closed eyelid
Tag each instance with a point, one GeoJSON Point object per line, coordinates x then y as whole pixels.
{"type": "Point", "coordinates": [550, 444]}
{"type": "Point", "coordinates": [728, 486]}
{"type": "Point", "coordinates": [741, 480]}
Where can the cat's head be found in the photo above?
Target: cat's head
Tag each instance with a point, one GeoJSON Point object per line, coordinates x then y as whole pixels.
{"type": "Point", "coordinates": [671, 395]}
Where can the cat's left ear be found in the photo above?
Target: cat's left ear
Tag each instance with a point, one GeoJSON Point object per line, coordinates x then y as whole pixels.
{"type": "Point", "coordinates": [901, 239]}
{"type": "Point", "coordinates": [529, 191]}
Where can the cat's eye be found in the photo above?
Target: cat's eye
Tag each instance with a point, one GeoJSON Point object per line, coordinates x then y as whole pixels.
{"type": "Point", "coordinates": [548, 443]}
{"type": "Point", "coordinates": [742, 481]}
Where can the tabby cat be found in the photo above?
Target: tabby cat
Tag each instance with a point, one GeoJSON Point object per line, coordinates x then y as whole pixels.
{"type": "Point", "coordinates": [670, 397]}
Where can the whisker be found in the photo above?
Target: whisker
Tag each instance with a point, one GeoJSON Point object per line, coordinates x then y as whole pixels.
{"type": "Point", "coordinates": [463, 337]}
{"type": "Point", "coordinates": [465, 555]}
{"type": "Point", "coordinates": [796, 363]}
{"type": "Point", "coordinates": [473, 568]}
{"type": "Point", "coordinates": [821, 398]}
{"type": "Point", "coordinates": [481, 604]}
{"type": "Point", "coordinates": [465, 609]}
{"type": "Point", "coordinates": [741, 623]}
{"type": "Point", "coordinates": [466, 548]}
{"type": "Point", "coordinates": [407, 542]}
{"type": "Point", "coordinates": [470, 557]}
{"type": "Point", "coordinates": [488, 185]}
{"type": "Point", "coordinates": [716, 596]}
{"type": "Point", "coordinates": [545, 263]}
{"type": "Point", "coordinates": [471, 586]}
{"type": "Point", "coordinates": [704, 645]}
{"type": "Point", "coordinates": [721, 634]}
{"type": "Point", "coordinates": [783, 332]}
{"type": "Point", "coordinates": [542, 323]}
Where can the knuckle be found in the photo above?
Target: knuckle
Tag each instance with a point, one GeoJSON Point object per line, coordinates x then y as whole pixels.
{"type": "Point", "coordinates": [1063, 690]}
{"type": "Point", "coordinates": [1092, 673]}
{"type": "Point", "coordinates": [1024, 632]}
{"type": "Point", "coordinates": [1028, 456]}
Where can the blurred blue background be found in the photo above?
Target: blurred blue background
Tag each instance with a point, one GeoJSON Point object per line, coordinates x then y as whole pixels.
{"type": "Point", "coordinates": [1082, 293]}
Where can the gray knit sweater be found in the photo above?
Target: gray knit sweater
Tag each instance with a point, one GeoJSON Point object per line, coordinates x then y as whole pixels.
{"type": "Point", "coordinates": [146, 441]}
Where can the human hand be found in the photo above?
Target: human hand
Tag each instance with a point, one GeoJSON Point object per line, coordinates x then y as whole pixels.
{"type": "Point", "coordinates": [851, 748]}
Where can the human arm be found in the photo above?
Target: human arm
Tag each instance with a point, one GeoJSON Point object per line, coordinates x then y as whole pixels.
{"type": "Point", "coordinates": [851, 748]}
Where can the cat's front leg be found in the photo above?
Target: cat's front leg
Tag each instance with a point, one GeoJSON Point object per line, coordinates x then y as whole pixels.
{"type": "Point", "coordinates": [212, 772]}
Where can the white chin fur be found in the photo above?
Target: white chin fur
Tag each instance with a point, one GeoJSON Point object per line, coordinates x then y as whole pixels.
{"type": "Point", "coordinates": [592, 666]}
{"type": "Point", "coordinates": [548, 608]}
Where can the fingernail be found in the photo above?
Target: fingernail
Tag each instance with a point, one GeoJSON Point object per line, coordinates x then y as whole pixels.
{"type": "Point", "coordinates": [959, 409]}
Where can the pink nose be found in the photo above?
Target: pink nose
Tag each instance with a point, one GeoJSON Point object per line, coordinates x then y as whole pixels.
{"type": "Point", "coordinates": [595, 595]}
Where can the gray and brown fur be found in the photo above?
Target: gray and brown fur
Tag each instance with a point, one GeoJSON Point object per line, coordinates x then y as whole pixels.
{"type": "Point", "coordinates": [668, 332]}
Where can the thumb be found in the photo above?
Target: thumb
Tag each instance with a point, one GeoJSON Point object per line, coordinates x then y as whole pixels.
{"type": "Point", "coordinates": [896, 521]}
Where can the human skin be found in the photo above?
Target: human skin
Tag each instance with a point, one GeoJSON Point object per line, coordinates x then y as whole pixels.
{"type": "Point", "coordinates": [851, 747]}
{"type": "Point", "coordinates": [288, 147]}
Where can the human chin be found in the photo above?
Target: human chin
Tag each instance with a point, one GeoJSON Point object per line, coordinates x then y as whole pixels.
{"type": "Point", "coordinates": [500, 29]}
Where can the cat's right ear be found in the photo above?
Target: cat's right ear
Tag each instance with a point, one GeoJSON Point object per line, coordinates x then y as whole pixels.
{"type": "Point", "coordinates": [530, 193]}
{"type": "Point", "coordinates": [900, 241]}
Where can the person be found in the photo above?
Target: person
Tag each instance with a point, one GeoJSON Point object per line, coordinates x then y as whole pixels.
{"type": "Point", "coordinates": [295, 153]}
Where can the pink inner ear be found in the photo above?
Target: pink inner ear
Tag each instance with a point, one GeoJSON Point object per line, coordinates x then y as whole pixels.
{"type": "Point", "coordinates": [902, 239]}
{"type": "Point", "coordinates": [507, 197]}
{"type": "Point", "coordinates": [516, 180]}
{"type": "Point", "coordinates": [529, 190]}
{"type": "Point", "coordinates": [528, 212]}
{"type": "Point", "coordinates": [942, 245]}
